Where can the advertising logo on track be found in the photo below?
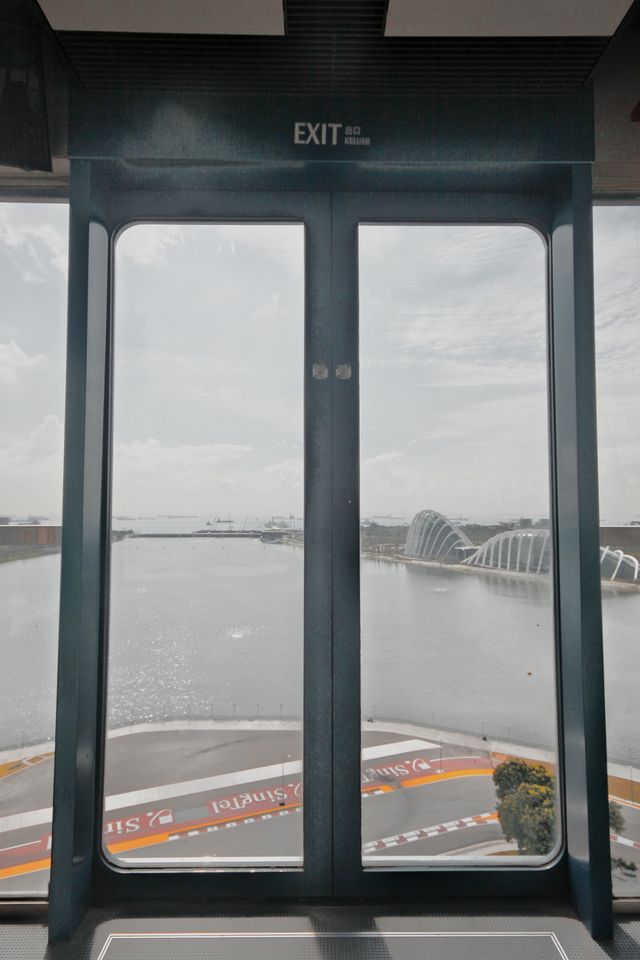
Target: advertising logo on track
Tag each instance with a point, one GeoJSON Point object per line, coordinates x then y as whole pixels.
{"type": "Point", "coordinates": [257, 801]}
{"type": "Point", "coordinates": [398, 771]}
{"type": "Point", "coordinates": [137, 823]}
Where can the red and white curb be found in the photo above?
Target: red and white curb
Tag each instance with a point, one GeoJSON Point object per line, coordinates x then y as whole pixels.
{"type": "Point", "coordinates": [624, 841]}
{"type": "Point", "coordinates": [232, 823]}
{"type": "Point", "coordinates": [425, 833]}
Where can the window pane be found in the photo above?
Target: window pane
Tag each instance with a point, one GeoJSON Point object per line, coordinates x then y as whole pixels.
{"type": "Point", "coordinates": [204, 749]}
{"type": "Point", "coordinates": [617, 288]}
{"type": "Point", "coordinates": [459, 736]}
{"type": "Point", "coordinates": [33, 279]}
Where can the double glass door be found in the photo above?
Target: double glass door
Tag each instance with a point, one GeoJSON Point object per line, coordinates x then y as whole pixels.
{"type": "Point", "coordinates": [331, 632]}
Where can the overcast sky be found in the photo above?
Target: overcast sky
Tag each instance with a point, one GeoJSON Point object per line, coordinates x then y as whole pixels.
{"type": "Point", "coordinates": [33, 281]}
{"type": "Point", "coordinates": [617, 265]}
{"type": "Point", "coordinates": [209, 342]}
{"type": "Point", "coordinates": [452, 339]}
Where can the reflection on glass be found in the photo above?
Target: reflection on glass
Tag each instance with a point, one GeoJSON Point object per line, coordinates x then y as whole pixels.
{"type": "Point", "coordinates": [33, 273]}
{"type": "Point", "coordinates": [204, 748]}
{"type": "Point", "coordinates": [459, 741]}
{"type": "Point", "coordinates": [617, 289]}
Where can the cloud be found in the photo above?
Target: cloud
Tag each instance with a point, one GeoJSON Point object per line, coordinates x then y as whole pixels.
{"type": "Point", "coordinates": [389, 481]}
{"type": "Point", "coordinates": [147, 243]}
{"type": "Point", "coordinates": [454, 397]}
{"type": "Point", "coordinates": [203, 479]}
{"type": "Point", "coordinates": [153, 477]}
{"type": "Point", "coordinates": [617, 293]}
{"type": "Point", "coordinates": [387, 457]}
{"type": "Point", "coordinates": [35, 236]}
{"type": "Point", "coordinates": [290, 471]}
{"type": "Point", "coordinates": [453, 329]}
{"type": "Point", "coordinates": [56, 243]}
{"type": "Point", "coordinates": [43, 442]}
{"type": "Point", "coordinates": [31, 470]}
{"type": "Point", "coordinates": [278, 243]}
{"type": "Point", "coordinates": [150, 457]}
{"type": "Point", "coordinates": [13, 361]}
{"type": "Point", "coordinates": [463, 306]}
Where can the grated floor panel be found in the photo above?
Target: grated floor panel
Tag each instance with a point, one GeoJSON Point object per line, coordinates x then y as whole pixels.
{"type": "Point", "coordinates": [328, 933]}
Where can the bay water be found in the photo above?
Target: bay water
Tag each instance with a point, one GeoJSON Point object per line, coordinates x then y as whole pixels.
{"type": "Point", "coordinates": [213, 629]}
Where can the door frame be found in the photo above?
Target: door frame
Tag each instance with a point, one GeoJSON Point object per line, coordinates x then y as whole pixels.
{"type": "Point", "coordinates": [562, 216]}
{"type": "Point", "coordinates": [80, 872]}
{"type": "Point", "coordinates": [104, 196]}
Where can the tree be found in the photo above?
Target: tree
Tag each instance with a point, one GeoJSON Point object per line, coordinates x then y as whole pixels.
{"type": "Point", "coordinates": [526, 805]}
{"type": "Point", "coordinates": [509, 775]}
{"type": "Point", "coordinates": [616, 825]}
{"type": "Point", "coordinates": [527, 815]}
{"type": "Point", "coordinates": [616, 820]}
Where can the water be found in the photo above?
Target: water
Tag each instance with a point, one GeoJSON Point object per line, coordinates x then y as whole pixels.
{"type": "Point", "coordinates": [214, 629]}
{"type": "Point", "coordinates": [28, 630]}
{"type": "Point", "coordinates": [191, 524]}
{"type": "Point", "coordinates": [199, 627]}
{"type": "Point", "coordinates": [459, 650]}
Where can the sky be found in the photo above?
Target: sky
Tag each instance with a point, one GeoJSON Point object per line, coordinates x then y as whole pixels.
{"type": "Point", "coordinates": [452, 342]}
{"type": "Point", "coordinates": [209, 333]}
{"type": "Point", "coordinates": [209, 329]}
{"type": "Point", "coordinates": [33, 282]}
{"type": "Point", "coordinates": [617, 287]}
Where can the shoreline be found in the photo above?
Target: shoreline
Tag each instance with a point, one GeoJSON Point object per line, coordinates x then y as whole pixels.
{"type": "Point", "coordinates": [31, 553]}
{"type": "Point", "coordinates": [28, 553]}
{"type": "Point", "coordinates": [489, 571]}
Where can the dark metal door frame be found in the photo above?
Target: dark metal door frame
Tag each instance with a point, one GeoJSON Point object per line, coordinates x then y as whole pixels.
{"type": "Point", "coordinates": [563, 218]}
{"type": "Point", "coordinates": [105, 196]}
{"type": "Point", "coordinates": [80, 873]}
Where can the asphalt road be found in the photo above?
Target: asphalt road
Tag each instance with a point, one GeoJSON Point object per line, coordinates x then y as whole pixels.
{"type": "Point", "coordinates": [248, 809]}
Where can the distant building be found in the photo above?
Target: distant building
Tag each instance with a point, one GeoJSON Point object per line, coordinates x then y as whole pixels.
{"type": "Point", "coordinates": [26, 535]}
{"type": "Point", "coordinates": [526, 549]}
{"type": "Point", "coordinates": [626, 539]}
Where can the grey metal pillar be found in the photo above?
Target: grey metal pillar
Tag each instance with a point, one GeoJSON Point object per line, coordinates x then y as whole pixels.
{"type": "Point", "coordinates": [75, 795]}
{"type": "Point", "coordinates": [578, 573]}
{"type": "Point", "coordinates": [346, 554]}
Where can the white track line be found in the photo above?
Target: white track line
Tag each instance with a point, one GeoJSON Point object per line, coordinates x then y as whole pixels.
{"type": "Point", "coordinates": [119, 801]}
{"type": "Point", "coordinates": [398, 746]}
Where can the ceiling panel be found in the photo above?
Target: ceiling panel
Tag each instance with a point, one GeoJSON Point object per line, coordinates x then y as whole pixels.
{"type": "Point", "coordinates": [241, 17]}
{"type": "Point", "coordinates": [333, 48]}
{"type": "Point", "coordinates": [245, 66]}
{"type": "Point", "coordinates": [504, 18]}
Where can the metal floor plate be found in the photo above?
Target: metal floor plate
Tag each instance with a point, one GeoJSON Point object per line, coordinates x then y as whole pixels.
{"type": "Point", "coordinates": [336, 946]}
{"type": "Point", "coordinates": [337, 933]}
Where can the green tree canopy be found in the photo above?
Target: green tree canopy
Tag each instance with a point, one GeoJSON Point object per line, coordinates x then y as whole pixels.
{"type": "Point", "coordinates": [509, 775]}
{"type": "Point", "coordinates": [616, 820]}
{"type": "Point", "coordinates": [527, 815]}
{"type": "Point", "coordinates": [526, 805]}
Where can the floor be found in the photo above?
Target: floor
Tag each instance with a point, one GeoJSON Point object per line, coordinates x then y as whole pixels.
{"type": "Point", "coordinates": [328, 933]}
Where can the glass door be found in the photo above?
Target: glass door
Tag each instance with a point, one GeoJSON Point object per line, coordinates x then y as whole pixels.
{"type": "Point", "coordinates": [459, 720]}
{"type": "Point", "coordinates": [445, 642]}
{"type": "Point", "coordinates": [204, 748]}
{"type": "Point", "coordinates": [331, 648]}
{"type": "Point", "coordinates": [208, 622]}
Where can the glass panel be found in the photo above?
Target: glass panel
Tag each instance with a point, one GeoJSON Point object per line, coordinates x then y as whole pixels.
{"type": "Point", "coordinates": [206, 613]}
{"type": "Point", "coordinates": [459, 728]}
{"type": "Point", "coordinates": [617, 288]}
{"type": "Point", "coordinates": [33, 279]}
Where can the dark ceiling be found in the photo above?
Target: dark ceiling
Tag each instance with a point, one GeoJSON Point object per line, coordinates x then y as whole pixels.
{"type": "Point", "coordinates": [333, 48]}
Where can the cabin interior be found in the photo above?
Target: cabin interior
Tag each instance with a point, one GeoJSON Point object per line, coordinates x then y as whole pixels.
{"type": "Point", "coordinates": [340, 123]}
